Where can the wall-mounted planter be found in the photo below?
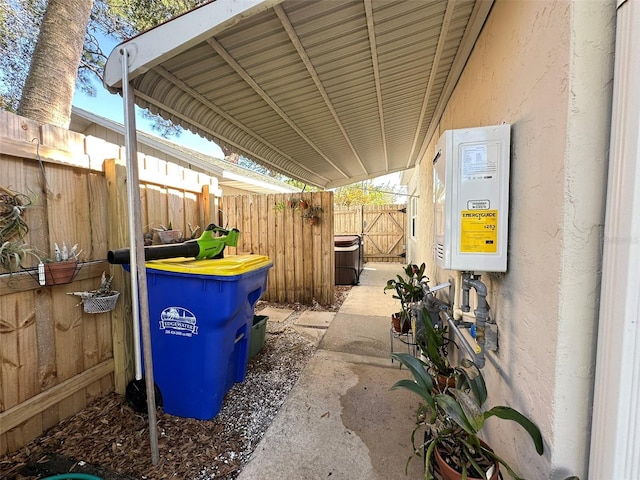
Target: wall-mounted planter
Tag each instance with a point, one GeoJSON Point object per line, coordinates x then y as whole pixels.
{"type": "Point", "coordinates": [60, 273]}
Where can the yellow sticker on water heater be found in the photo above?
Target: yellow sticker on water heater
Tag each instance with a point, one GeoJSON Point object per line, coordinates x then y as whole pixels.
{"type": "Point", "coordinates": [479, 231]}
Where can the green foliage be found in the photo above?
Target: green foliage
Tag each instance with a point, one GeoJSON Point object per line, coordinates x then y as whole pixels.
{"type": "Point", "coordinates": [365, 193]}
{"type": "Point", "coordinates": [408, 289]}
{"type": "Point", "coordinates": [301, 185]}
{"type": "Point", "coordinates": [456, 416]}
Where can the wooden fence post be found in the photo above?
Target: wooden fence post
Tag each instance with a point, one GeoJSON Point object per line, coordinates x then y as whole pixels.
{"type": "Point", "coordinates": [118, 237]}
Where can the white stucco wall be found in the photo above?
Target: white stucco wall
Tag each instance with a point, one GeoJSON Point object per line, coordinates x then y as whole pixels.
{"type": "Point", "coordinates": [545, 68]}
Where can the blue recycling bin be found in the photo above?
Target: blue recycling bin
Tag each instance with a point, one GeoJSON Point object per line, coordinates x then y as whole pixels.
{"type": "Point", "coordinates": [201, 318]}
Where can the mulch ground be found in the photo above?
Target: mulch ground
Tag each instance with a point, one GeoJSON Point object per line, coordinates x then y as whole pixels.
{"type": "Point", "coordinates": [110, 440]}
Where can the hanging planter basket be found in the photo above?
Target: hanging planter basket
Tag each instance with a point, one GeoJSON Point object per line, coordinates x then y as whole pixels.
{"type": "Point", "coordinates": [101, 300]}
{"type": "Point", "coordinates": [100, 304]}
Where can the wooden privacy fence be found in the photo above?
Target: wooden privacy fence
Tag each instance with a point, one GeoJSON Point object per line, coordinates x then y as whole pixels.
{"type": "Point", "coordinates": [302, 253]}
{"type": "Point", "coordinates": [383, 228]}
{"type": "Point", "coordinates": [54, 358]}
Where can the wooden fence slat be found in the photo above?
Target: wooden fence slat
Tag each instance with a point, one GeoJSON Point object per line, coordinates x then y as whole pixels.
{"type": "Point", "coordinates": [271, 214]}
{"type": "Point", "coordinates": [297, 251]}
{"type": "Point", "coordinates": [118, 231]}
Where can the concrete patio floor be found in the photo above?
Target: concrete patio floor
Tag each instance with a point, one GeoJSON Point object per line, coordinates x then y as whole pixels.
{"type": "Point", "coordinates": [341, 421]}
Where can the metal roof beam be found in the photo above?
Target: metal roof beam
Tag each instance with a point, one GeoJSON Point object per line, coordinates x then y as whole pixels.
{"type": "Point", "coordinates": [376, 76]}
{"type": "Point", "coordinates": [481, 9]}
{"type": "Point", "coordinates": [227, 57]}
{"type": "Point", "coordinates": [444, 30]}
{"type": "Point", "coordinates": [295, 40]}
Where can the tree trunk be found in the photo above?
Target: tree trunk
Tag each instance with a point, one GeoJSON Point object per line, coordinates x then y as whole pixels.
{"type": "Point", "coordinates": [50, 84]}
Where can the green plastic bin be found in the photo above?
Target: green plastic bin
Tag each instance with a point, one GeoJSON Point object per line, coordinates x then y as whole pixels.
{"type": "Point", "coordinates": [257, 334]}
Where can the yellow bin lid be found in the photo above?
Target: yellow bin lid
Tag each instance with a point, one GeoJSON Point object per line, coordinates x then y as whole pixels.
{"type": "Point", "coordinates": [225, 267]}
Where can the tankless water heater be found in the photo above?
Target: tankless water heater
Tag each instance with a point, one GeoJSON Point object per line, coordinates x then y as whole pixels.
{"type": "Point", "coordinates": [471, 199]}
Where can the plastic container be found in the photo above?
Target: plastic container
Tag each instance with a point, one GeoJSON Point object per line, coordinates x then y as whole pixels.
{"type": "Point", "coordinates": [201, 318]}
{"type": "Point", "coordinates": [257, 334]}
{"type": "Point", "coordinates": [348, 259]}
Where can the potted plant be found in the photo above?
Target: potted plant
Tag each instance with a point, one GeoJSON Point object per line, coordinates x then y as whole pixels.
{"type": "Point", "coordinates": [433, 342]}
{"type": "Point", "coordinates": [312, 214]}
{"type": "Point", "coordinates": [167, 235]}
{"type": "Point", "coordinates": [453, 420]}
{"type": "Point", "coordinates": [409, 290]}
{"type": "Point", "coordinates": [100, 300]}
{"type": "Point", "coordinates": [13, 228]}
{"type": "Point", "coordinates": [292, 203]}
{"type": "Point", "coordinates": [64, 266]}
{"type": "Point", "coordinates": [13, 254]}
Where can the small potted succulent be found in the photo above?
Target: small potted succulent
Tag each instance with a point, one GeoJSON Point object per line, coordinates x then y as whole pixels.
{"type": "Point", "coordinates": [64, 266]}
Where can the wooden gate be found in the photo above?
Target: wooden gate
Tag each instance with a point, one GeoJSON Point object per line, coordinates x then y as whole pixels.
{"type": "Point", "coordinates": [382, 227]}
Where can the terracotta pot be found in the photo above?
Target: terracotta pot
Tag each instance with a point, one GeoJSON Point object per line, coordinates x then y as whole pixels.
{"type": "Point", "coordinates": [303, 204]}
{"type": "Point", "coordinates": [59, 273]}
{"type": "Point", "coordinates": [313, 220]}
{"type": "Point", "coordinates": [448, 473]}
{"type": "Point", "coordinates": [444, 382]}
{"type": "Point", "coordinates": [398, 326]}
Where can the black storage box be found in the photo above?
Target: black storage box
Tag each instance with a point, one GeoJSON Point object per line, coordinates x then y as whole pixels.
{"type": "Point", "coordinates": [348, 253]}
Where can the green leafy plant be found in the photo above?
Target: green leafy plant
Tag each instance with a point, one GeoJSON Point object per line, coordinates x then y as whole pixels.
{"type": "Point", "coordinates": [453, 419]}
{"type": "Point", "coordinates": [408, 289]}
{"type": "Point", "coordinates": [13, 228]}
{"type": "Point", "coordinates": [432, 340]}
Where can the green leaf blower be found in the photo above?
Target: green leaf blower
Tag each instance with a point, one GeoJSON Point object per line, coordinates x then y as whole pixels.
{"type": "Point", "coordinates": [210, 245]}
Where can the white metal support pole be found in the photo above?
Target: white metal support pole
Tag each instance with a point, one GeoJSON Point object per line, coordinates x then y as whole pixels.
{"type": "Point", "coordinates": [615, 434]}
{"type": "Point", "coordinates": [139, 299]}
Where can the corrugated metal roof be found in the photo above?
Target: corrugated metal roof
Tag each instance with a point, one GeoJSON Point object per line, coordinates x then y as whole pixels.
{"type": "Point", "coordinates": [329, 92]}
